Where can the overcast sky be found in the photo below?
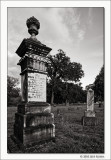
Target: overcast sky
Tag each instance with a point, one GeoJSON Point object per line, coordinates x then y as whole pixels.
{"type": "Point", "coordinates": [77, 31]}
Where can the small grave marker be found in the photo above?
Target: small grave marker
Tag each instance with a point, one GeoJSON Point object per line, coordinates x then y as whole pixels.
{"type": "Point", "coordinates": [89, 118]}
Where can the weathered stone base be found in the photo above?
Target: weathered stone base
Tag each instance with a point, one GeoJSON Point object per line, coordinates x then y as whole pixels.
{"type": "Point", "coordinates": [34, 123]}
{"type": "Point", "coordinates": [31, 135]}
{"type": "Point", "coordinates": [32, 120]}
{"type": "Point", "coordinates": [89, 121]}
{"type": "Point", "coordinates": [89, 114]}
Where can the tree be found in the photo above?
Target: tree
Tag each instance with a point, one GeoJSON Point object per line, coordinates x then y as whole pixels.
{"type": "Point", "coordinates": [99, 85]}
{"type": "Point", "coordinates": [74, 94]}
{"type": "Point", "coordinates": [61, 69]}
{"type": "Point", "coordinates": [12, 89]}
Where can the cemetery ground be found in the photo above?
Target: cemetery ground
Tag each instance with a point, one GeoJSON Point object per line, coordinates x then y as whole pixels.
{"type": "Point", "coordinates": [70, 135]}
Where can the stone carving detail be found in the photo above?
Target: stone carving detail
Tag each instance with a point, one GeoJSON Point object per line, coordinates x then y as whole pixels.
{"type": "Point", "coordinates": [33, 26]}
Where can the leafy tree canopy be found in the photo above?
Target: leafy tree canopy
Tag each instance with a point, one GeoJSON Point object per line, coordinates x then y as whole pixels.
{"type": "Point", "coordinates": [74, 93]}
{"type": "Point", "coordinates": [99, 85]}
{"type": "Point", "coordinates": [12, 89]}
{"type": "Point", "coordinates": [61, 68]}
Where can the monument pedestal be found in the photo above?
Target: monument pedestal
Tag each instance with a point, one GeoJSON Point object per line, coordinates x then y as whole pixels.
{"type": "Point", "coordinates": [34, 123]}
{"type": "Point", "coordinates": [89, 114]}
{"type": "Point", "coordinates": [89, 119]}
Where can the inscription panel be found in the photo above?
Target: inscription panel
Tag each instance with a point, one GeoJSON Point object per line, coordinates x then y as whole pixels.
{"type": "Point", "coordinates": [90, 100]}
{"type": "Point", "coordinates": [36, 87]}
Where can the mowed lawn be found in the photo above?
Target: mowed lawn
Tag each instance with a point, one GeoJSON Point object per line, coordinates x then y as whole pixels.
{"type": "Point", "coordinates": [71, 136]}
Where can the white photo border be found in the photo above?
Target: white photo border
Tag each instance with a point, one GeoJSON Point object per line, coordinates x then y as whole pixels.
{"type": "Point", "coordinates": [4, 44]}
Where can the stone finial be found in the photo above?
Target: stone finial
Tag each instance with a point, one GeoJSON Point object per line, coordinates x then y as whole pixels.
{"type": "Point", "coordinates": [33, 26]}
{"type": "Point", "coordinates": [89, 87]}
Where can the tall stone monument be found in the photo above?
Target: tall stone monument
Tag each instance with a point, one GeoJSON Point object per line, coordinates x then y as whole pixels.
{"type": "Point", "coordinates": [89, 115]}
{"type": "Point", "coordinates": [34, 121]}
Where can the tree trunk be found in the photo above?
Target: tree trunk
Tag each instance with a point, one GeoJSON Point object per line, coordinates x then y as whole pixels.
{"type": "Point", "coordinates": [67, 103]}
{"type": "Point", "coordinates": [52, 97]}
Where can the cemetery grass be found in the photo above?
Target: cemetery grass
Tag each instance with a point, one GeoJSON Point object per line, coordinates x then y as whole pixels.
{"type": "Point", "coordinates": [70, 135]}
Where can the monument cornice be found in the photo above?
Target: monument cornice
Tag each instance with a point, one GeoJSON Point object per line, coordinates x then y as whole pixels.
{"type": "Point", "coordinates": [36, 46]}
{"type": "Point", "coordinates": [35, 57]}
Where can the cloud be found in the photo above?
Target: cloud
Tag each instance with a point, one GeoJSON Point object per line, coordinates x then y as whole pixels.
{"type": "Point", "coordinates": [57, 32]}
{"type": "Point", "coordinates": [90, 19]}
{"type": "Point", "coordinates": [72, 18]}
{"type": "Point", "coordinates": [59, 27]}
{"type": "Point", "coordinates": [81, 34]}
{"type": "Point", "coordinates": [13, 69]}
{"type": "Point", "coordinates": [70, 29]}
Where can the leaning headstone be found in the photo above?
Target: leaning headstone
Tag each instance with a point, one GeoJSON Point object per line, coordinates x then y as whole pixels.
{"type": "Point", "coordinates": [89, 117]}
{"type": "Point", "coordinates": [34, 121]}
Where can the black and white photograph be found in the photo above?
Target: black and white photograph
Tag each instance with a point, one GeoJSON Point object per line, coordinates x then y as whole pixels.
{"type": "Point", "coordinates": [55, 82]}
{"type": "Point", "coordinates": [70, 52]}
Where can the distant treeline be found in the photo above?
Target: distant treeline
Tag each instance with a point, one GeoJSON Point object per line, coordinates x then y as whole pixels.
{"type": "Point", "coordinates": [73, 93]}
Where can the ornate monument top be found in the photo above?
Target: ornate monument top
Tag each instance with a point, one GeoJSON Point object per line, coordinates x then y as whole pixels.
{"type": "Point", "coordinates": [33, 26]}
{"type": "Point", "coordinates": [31, 44]}
{"type": "Point", "coordinates": [90, 90]}
{"type": "Point", "coordinates": [89, 87]}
